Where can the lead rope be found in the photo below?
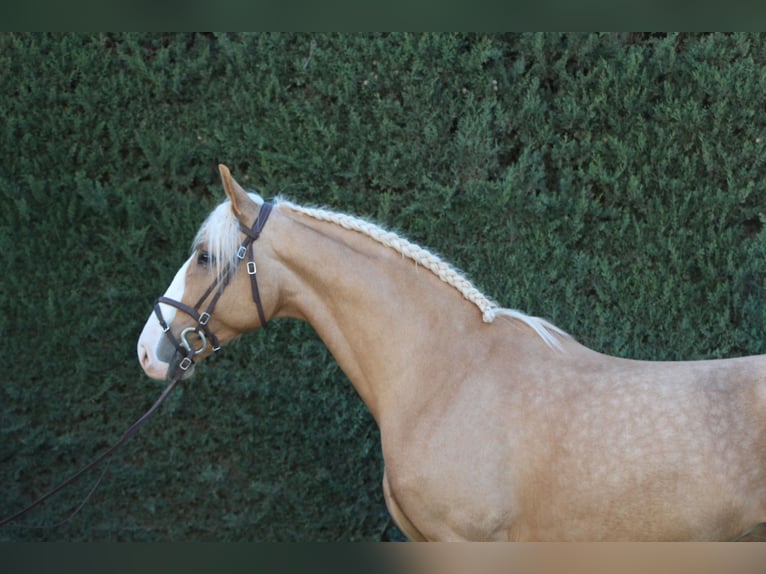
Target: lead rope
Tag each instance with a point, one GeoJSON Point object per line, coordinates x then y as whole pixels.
{"type": "Point", "coordinates": [133, 429]}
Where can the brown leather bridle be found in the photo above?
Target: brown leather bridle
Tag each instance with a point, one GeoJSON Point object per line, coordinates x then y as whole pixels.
{"type": "Point", "coordinates": [185, 348]}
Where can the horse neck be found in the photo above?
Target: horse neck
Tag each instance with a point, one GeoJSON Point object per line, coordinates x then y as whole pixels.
{"type": "Point", "coordinates": [394, 327]}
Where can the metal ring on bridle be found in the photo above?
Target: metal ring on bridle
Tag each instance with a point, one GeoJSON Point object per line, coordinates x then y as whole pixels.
{"type": "Point", "coordinates": [187, 344]}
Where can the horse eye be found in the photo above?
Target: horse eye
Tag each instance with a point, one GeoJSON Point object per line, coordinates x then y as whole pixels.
{"type": "Point", "coordinates": [204, 258]}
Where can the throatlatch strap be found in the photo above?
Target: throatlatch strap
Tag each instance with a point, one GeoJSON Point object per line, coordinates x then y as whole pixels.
{"type": "Point", "coordinates": [253, 233]}
{"type": "Point", "coordinates": [254, 287]}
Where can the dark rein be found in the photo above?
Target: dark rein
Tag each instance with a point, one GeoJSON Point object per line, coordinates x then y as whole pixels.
{"type": "Point", "coordinates": [185, 353]}
{"type": "Point", "coordinates": [95, 462]}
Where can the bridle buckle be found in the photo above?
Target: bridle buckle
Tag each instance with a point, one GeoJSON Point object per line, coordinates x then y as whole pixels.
{"type": "Point", "coordinates": [185, 364]}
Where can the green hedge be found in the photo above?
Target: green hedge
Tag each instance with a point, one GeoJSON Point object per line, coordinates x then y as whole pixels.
{"type": "Point", "coordinates": [612, 183]}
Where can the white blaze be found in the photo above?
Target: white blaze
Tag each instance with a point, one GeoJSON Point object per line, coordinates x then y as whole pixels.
{"type": "Point", "coordinates": [152, 333]}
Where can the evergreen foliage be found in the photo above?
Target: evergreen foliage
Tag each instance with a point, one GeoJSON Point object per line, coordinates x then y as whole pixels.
{"type": "Point", "coordinates": [611, 183]}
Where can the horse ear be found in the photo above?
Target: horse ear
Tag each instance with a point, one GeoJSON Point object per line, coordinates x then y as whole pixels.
{"type": "Point", "coordinates": [238, 196]}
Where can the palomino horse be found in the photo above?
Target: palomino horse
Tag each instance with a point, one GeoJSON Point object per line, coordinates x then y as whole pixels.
{"type": "Point", "coordinates": [494, 425]}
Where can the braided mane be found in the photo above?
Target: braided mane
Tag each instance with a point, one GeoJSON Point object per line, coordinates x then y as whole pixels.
{"type": "Point", "coordinates": [221, 234]}
{"type": "Point", "coordinates": [446, 272]}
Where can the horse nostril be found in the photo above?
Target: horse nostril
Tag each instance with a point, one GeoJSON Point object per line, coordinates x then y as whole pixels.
{"type": "Point", "coordinates": [144, 356]}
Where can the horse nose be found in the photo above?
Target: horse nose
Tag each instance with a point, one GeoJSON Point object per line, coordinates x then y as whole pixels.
{"type": "Point", "coordinates": [151, 365]}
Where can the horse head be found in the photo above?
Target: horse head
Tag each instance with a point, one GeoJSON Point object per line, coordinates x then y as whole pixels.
{"type": "Point", "coordinates": [203, 308]}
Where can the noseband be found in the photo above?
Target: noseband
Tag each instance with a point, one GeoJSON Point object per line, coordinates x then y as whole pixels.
{"type": "Point", "coordinates": [186, 346]}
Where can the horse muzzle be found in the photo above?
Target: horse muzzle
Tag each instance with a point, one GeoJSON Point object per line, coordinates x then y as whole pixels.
{"type": "Point", "coordinates": [160, 359]}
